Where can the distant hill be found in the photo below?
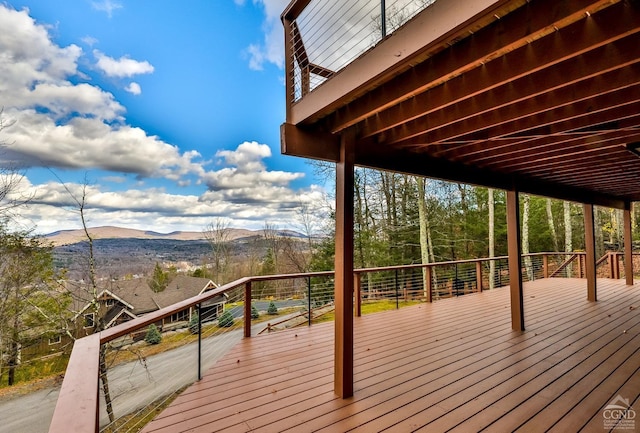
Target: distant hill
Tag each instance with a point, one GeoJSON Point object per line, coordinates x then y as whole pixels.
{"type": "Point", "coordinates": [68, 237]}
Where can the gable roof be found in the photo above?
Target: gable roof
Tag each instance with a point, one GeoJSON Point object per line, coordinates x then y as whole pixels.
{"type": "Point", "coordinates": [137, 297]}
{"type": "Point", "coordinates": [137, 293]}
{"type": "Point", "coordinates": [182, 287]}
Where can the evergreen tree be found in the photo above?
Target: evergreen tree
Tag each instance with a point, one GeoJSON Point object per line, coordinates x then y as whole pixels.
{"type": "Point", "coordinates": [193, 323]}
{"type": "Point", "coordinates": [272, 310]}
{"type": "Point", "coordinates": [160, 279]}
{"type": "Point", "coordinates": [225, 320]}
{"type": "Point", "coordinates": [31, 304]}
{"type": "Point", "coordinates": [153, 335]}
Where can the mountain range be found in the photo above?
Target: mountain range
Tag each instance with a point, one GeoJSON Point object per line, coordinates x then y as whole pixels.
{"type": "Point", "coordinates": [68, 237]}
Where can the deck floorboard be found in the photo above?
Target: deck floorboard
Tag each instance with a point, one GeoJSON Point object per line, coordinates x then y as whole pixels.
{"type": "Point", "coordinates": [454, 365]}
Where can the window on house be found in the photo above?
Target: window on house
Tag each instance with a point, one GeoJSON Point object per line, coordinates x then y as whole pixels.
{"type": "Point", "coordinates": [180, 316]}
{"type": "Point", "coordinates": [55, 340]}
{"type": "Point", "coordinates": [89, 320]}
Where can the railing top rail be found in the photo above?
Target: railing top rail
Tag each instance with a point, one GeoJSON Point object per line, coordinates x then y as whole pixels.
{"type": "Point", "coordinates": [425, 265]}
{"type": "Point", "coordinates": [291, 276]}
{"type": "Point", "coordinates": [124, 328]}
{"type": "Point", "coordinates": [294, 9]}
{"type": "Point", "coordinates": [77, 406]}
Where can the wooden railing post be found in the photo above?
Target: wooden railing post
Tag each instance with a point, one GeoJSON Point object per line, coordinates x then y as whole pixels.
{"type": "Point", "coordinates": [479, 276]}
{"type": "Point", "coordinates": [247, 309]}
{"type": "Point", "coordinates": [428, 289]}
{"type": "Point", "coordinates": [628, 244]}
{"type": "Point", "coordinates": [357, 287]}
{"type": "Point", "coordinates": [579, 257]}
{"type": "Point", "coordinates": [199, 307]}
{"type": "Point", "coordinates": [545, 266]}
{"type": "Point", "coordinates": [610, 263]}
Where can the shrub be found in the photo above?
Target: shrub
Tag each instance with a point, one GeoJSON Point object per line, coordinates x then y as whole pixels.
{"type": "Point", "coordinates": [254, 312]}
{"type": "Point", "coordinates": [272, 310]}
{"type": "Point", "coordinates": [193, 323]}
{"type": "Point", "coordinates": [225, 320]}
{"type": "Point", "coordinates": [153, 336]}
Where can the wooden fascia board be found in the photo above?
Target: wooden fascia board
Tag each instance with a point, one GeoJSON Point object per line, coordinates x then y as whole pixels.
{"type": "Point", "coordinates": [441, 21]}
{"type": "Point", "coordinates": [120, 313]}
{"type": "Point", "coordinates": [421, 165]}
{"type": "Point", "coordinates": [296, 141]}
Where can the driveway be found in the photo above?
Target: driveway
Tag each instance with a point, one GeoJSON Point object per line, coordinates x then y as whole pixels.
{"type": "Point", "coordinates": [131, 384]}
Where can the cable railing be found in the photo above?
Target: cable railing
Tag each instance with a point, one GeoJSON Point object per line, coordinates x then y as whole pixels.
{"type": "Point", "coordinates": [324, 36]}
{"type": "Point", "coordinates": [142, 377]}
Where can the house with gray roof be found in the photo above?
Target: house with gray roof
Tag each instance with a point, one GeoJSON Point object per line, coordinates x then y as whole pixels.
{"type": "Point", "coordinates": [122, 300]}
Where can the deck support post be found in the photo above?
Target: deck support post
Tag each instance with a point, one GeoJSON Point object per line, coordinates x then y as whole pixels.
{"type": "Point", "coordinates": [628, 244]}
{"type": "Point", "coordinates": [343, 362]}
{"type": "Point", "coordinates": [515, 260]}
{"type": "Point", "coordinates": [590, 250]}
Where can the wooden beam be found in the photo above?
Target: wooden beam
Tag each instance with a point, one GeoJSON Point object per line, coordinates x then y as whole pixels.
{"type": "Point", "coordinates": [296, 141]}
{"type": "Point", "coordinates": [515, 260]}
{"type": "Point", "coordinates": [590, 249]}
{"type": "Point", "coordinates": [420, 164]}
{"type": "Point", "coordinates": [555, 112]}
{"type": "Point", "coordinates": [628, 244]}
{"type": "Point", "coordinates": [343, 363]}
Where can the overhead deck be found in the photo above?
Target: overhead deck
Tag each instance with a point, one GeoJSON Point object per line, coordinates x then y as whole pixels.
{"type": "Point", "coordinates": [541, 96]}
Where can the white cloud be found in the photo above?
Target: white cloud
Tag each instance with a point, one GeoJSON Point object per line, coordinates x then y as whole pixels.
{"type": "Point", "coordinates": [271, 49]}
{"type": "Point", "coordinates": [246, 179]}
{"type": "Point", "coordinates": [64, 99]}
{"type": "Point", "coordinates": [63, 125]}
{"type": "Point", "coordinates": [122, 67]}
{"type": "Point", "coordinates": [152, 208]}
{"type": "Point", "coordinates": [133, 88]}
{"type": "Point", "coordinates": [60, 124]}
{"type": "Point", "coordinates": [89, 40]}
{"type": "Point", "coordinates": [28, 57]}
{"type": "Point", "coordinates": [36, 140]}
{"type": "Point", "coordinates": [107, 6]}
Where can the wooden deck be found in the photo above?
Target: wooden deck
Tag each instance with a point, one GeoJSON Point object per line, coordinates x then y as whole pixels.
{"type": "Point", "coordinates": [451, 365]}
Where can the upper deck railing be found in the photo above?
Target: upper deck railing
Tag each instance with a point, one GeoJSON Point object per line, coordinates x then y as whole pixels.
{"type": "Point", "coordinates": [309, 296]}
{"type": "Point", "coordinates": [324, 36]}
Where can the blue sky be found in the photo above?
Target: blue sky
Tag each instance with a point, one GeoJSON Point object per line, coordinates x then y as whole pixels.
{"type": "Point", "coordinates": [170, 110]}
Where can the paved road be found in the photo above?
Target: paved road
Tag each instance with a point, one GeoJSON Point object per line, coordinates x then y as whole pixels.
{"type": "Point", "coordinates": [132, 385]}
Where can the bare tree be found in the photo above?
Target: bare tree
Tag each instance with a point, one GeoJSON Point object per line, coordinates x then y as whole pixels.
{"type": "Point", "coordinates": [552, 226]}
{"type": "Point", "coordinates": [10, 179]}
{"type": "Point", "coordinates": [218, 233]}
{"type": "Point", "coordinates": [525, 236]}
{"type": "Point", "coordinates": [492, 238]}
{"type": "Point", "coordinates": [426, 246]}
{"type": "Point", "coordinates": [91, 291]}
{"type": "Point", "coordinates": [568, 234]}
